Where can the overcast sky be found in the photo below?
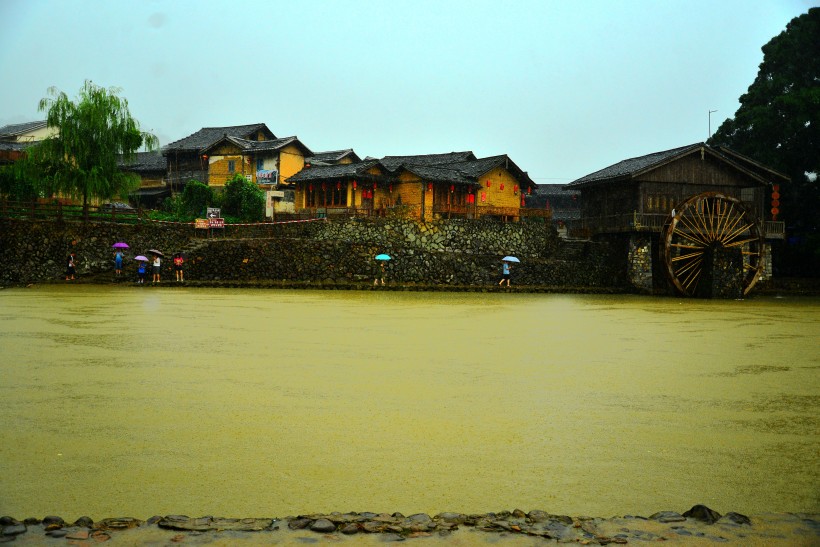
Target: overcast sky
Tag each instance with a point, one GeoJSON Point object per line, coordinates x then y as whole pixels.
{"type": "Point", "coordinates": [563, 87]}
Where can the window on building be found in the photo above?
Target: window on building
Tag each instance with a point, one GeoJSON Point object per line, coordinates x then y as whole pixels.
{"type": "Point", "coordinates": [260, 164]}
{"type": "Point", "coordinates": [231, 166]}
{"type": "Point", "coordinates": [747, 195]}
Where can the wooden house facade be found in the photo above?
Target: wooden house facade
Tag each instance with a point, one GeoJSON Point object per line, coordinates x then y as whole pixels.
{"type": "Point", "coordinates": [640, 193]}
{"type": "Point", "coordinates": [187, 159]}
{"type": "Point", "coordinates": [452, 185]}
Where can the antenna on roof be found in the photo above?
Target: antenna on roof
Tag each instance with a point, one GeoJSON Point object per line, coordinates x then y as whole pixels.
{"type": "Point", "coordinates": [710, 125]}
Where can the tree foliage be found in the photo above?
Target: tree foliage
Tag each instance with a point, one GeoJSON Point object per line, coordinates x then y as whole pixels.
{"type": "Point", "coordinates": [244, 199]}
{"type": "Point", "coordinates": [197, 197]}
{"type": "Point", "coordinates": [778, 122]}
{"type": "Point", "coordinates": [95, 133]}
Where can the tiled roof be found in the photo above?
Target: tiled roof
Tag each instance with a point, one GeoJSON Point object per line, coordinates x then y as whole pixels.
{"type": "Point", "coordinates": [247, 145]}
{"type": "Point", "coordinates": [393, 162]}
{"type": "Point", "coordinates": [146, 161]}
{"type": "Point", "coordinates": [339, 171]}
{"type": "Point", "coordinates": [20, 128]}
{"type": "Point", "coordinates": [439, 173]}
{"type": "Point", "coordinates": [334, 156]}
{"type": "Point", "coordinates": [207, 136]}
{"type": "Point", "coordinates": [627, 168]}
{"type": "Point", "coordinates": [554, 190]}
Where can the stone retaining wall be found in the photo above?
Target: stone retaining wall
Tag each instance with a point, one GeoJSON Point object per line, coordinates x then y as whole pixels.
{"type": "Point", "coordinates": [454, 252]}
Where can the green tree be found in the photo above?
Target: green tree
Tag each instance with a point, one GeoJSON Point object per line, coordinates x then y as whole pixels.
{"type": "Point", "coordinates": [95, 132]}
{"type": "Point", "coordinates": [197, 197]}
{"type": "Point", "coordinates": [778, 124]}
{"type": "Point", "coordinates": [244, 199]}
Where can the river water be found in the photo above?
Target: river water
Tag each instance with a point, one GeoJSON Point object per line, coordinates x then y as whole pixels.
{"type": "Point", "coordinates": [126, 401]}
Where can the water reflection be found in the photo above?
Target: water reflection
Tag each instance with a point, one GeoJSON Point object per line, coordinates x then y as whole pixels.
{"type": "Point", "coordinates": [244, 402]}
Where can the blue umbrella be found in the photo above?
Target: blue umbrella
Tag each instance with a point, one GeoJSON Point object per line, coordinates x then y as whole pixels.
{"type": "Point", "coordinates": [510, 259]}
{"type": "Point", "coordinates": [383, 257]}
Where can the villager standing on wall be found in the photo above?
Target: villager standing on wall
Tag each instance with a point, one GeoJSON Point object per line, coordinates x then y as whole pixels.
{"type": "Point", "coordinates": [71, 268]}
{"type": "Point", "coordinates": [118, 262]}
{"type": "Point", "coordinates": [156, 268]}
{"type": "Point", "coordinates": [178, 261]}
{"type": "Point", "coordinates": [505, 274]}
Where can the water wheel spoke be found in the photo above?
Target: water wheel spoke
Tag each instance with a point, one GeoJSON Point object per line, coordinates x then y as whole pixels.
{"type": "Point", "coordinates": [694, 264]}
{"type": "Point", "coordinates": [688, 256]}
{"type": "Point", "coordinates": [732, 229]}
{"type": "Point", "coordinates": [691, 279]}
{"type": "Point", "coordinates": [740, 242]}
{"type": "Point", "coordinates": [691, 234]}
{"type": "Point", "coordinates": [682, 246]}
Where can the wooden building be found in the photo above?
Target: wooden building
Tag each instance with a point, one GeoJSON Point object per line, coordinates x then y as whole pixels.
{"type": "Point", "coordinates": [451, 185]}
{"type": "Point", "coordinates": [638, 194]}
{"type": "Point", "coordinates": [187, 159]}
{"type": "Point", "coordinates": [152, 168]}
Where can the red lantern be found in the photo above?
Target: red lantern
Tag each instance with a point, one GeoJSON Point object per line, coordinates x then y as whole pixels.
{"type": "Point", "coordinates": [391, 188]}
{"type": "Point", "coordinates": [522, 201]}
{"type": "Point", "coordinates": [483, 197]}
{"type": "Point", "coordinates": [529, 190]}
{"type": "Point", "coordinates": [515, 189]}
{"type": "Point", "coordinates": [489, 184]}
{"type": "Point", "coordinates": [310, 187]}
{"type": "Point", "coordinates": [338, 185]}
{"type": "Point", "coordinates": [205, 157]}
{"type": "Point", "coordinates": [452, 188]}
{"type": "Point", "coordinates": [375, 186]}
{"type": "Point", "coordinates": [354, 184]}
{"type": "Point", "coordinates": [502, 186]}
{"type": "Point", "coordinates": [429, 186]}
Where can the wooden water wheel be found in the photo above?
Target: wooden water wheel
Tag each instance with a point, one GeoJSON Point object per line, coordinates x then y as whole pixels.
{"type": "Point", "coordinates": [708, 223]}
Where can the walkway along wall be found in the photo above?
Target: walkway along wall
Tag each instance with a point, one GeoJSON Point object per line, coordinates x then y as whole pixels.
{"type": "Point", "coordinates": [450, 252]}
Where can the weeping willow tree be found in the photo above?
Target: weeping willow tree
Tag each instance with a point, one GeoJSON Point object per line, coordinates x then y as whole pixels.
{"type": "Point", "coordinates": [95, 134]}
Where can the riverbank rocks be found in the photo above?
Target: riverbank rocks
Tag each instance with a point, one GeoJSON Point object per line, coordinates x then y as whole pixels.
{"type": "Point", "coordinates": [699, 523]}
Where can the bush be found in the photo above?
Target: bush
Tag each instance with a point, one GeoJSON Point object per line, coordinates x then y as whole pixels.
{"type": "Point", "coordinates": [196, 198]}
{"type": "Point", "coordinates": [243, 199]}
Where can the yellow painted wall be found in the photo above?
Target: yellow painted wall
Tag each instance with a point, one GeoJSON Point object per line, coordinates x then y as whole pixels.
{"type": "Point", "coordinates": [291, 161]}
{"type": "Point", "coordinates": [496, 197]}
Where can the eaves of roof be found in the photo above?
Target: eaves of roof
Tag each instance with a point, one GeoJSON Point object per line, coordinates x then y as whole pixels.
{"type": "Point", "coordinates": [333, 156]}
{"type": "Point", "coordinates": [247, 145]}
{"type": "Point", "coordinates": [338, 171]}
{"type": "Point", "coordinates": [629, 168]}
{"type": "Point", "coordinates": [145, 162]}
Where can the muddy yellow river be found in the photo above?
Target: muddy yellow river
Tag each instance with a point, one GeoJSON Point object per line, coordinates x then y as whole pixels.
{"type": "Point", "coordinates": [125, 401]}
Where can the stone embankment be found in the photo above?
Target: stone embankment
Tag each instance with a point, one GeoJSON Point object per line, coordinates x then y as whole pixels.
{"type": "Point", "coordinates": [700, 524]}
{"type": "Point", "coordinates": [338, 253]}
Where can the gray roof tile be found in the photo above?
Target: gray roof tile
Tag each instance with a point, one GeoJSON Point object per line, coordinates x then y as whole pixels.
{"type": "Point", "coordinates": [207, 136]}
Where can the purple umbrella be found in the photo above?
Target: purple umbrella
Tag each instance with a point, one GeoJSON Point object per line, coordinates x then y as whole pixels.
{"type": "Point", "coordinates": [120, 245]}
{"type": "Point", "coordinates": [140, 257]}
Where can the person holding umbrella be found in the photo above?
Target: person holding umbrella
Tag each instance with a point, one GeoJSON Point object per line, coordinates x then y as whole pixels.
{"type": "Point", "coordinates": [507, 269]}
{"type": "Point", "coordinates": [119, 246]}
{"type": "Point", "coordinates": [143, 261]}
{"type": "Point", "coordinates": [382, 260]}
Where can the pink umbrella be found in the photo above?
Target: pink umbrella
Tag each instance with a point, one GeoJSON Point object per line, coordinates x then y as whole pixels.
{"type": "Point", "coordinates": [120, 245]}
{"type": "Point", "coordinates": [140, 257]}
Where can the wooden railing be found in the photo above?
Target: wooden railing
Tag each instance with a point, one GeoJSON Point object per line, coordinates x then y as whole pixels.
{"type": "Point", "coordinates": [774, 229]}
{"type": "Point", "coordinates": [61, 212]}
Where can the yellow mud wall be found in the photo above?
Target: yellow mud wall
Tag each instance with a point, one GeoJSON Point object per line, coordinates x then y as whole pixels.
{"type": "Point", "coordinates": [291, 161]}
{"type": "Point", "coordinates": [495, 195]}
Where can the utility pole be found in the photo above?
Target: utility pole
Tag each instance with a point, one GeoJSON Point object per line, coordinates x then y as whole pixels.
{"type": "Point", "coordinates": [710, 124]}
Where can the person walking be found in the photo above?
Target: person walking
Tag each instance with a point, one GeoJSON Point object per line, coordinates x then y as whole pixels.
{"type": "Point", "coordinates": [156, 268]}
{"type": "Point", "coordinates": [178, 261]}
{"type": "Point", "coordinates": [505, 273]}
